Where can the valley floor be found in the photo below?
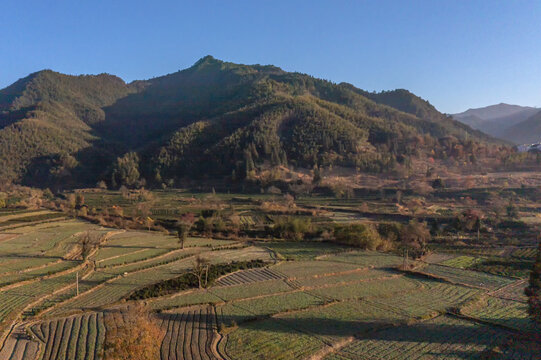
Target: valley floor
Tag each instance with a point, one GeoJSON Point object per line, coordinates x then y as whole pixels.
{"type": "Point", "coordinates": [324, 302]}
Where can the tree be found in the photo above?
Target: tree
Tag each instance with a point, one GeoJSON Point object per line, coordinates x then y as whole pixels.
{"type": "Point", "coordinates": [414, 238]}
{"type": "Point", "coordinates": [184, 225]}
{"type": "Point", "coordinates": [149, 222]}
{"type": "Point", "coordinates": [3, 200]}
{"type": "Point", "coordinates": [126, 170]}
{"type": "Point", "coordinates": [534, 289]}
{"type": "Point", "coordinates": [512, 211]}
{"type": "Point", "coordinates": [471, 220]}
{"type": "Point", "coordinates": [87, 243]}
{"type": "Point", "coordinates": [201, 269]}
{"type": "Point", "coordinates": [137, 337]}
{"type": "Point", "coordinates": [79, 201]}
{"type": "Point", "coordinates": [316, 179]}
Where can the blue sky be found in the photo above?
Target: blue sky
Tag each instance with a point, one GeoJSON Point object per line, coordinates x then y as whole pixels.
{"type": "Point", "coordinates": [456, 54]}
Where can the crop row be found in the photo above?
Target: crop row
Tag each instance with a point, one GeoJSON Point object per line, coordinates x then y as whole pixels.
{"type": "Point", "coordinates": [270, 339]}
{"type": "Point", "coordinates": [15, 299]}
{"type": "Point", "coordinates": [367, 258]}
{"type": "Point", "coordinates": [442, 337]}
{"type": "Point", "coordinates": [515, 291]}
{"type": "Point", "coordinates": [528, 253]}
{"type": "Point", "coordinates": [189, 334]}
{"type": "Point", "coordinates": [468, 277]}
{"type": "Point", "coordinates": [249, 276]}
{"type": "Point", "coordinates": [461, 262]}
{"type": "Point", "coordinates": [433, 297]}
{"type": "Point", "coordinates": [301, 269]}
{"type": "Point", "coordinates": [305, 250]}
{"type": "Point", "coordinates": [395, 286]}
{"type": "Point", "coordinates": [18, 346]}
{"type": "Point", "coordinates": [240, 311]}
{"type": "Point", "coordinates": [74, 338]}
{"type": "Point", "coordinates": [504, 312]}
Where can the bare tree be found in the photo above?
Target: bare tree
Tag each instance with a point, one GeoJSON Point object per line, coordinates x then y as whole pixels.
{"type": "Point", "coordinates": [87, 243]}
{"type": "Point", "coordinates": [184, 225]}
{"type": "Point", "coordinates": [414, 238]}
{"type": "Point", "coordinates": [201, 270]}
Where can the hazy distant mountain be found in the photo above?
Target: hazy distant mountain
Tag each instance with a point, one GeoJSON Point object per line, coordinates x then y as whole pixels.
{"type": "Point", "coordinates": [497, 120]}
{"type": "Point", "coordinates": [527, 131]}
{"type": "Point", "coordinates": [214, 119]}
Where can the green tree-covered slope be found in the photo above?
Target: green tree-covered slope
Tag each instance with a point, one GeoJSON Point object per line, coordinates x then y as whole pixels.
{"type": "Point", "coordinates": [213, 119]}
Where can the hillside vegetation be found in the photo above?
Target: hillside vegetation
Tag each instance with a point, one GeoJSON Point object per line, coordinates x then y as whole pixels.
{"type": "Point", "coordinates": [215, 119]}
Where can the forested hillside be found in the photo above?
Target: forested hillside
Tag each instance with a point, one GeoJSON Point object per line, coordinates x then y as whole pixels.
{"type": "Point", "coordinates": [214, 119]}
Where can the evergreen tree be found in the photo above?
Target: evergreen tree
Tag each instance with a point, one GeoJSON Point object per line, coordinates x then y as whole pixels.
{"type": "Point", "coordinates": [127, 170]}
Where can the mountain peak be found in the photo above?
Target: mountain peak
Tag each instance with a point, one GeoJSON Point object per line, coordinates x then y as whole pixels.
{"type": "Point", "coordinates": [206, 60]}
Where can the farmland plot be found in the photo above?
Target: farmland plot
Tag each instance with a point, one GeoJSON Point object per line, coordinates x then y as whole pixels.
{"type": "Point", "coordinates": [340, 320]}
{"type": "Point", "coordinates": [243, 310]}
{"type": "Point", "coordinates": [270, 339]}
{"type": "Point", "coordinates": [514, 291]}
{"type": "Point", "coordinates": [228, 293]}
{"type": "Point", "coordinates": [441, 338]}
{"type": "Point", "coordinates": [72, 338]}
{"type": "Point", "coordinates": [304, 250]}
{"type": "Point", "coordinates": [300, 269]}
{"type": "Point", "coordinates": [19, 346]}
{"type": "Point", "coordinates": [461, 262]}
{"type": "Point", "coordinates": [433, 297]}
{"type": "Point", "coordinates": [15, 299]}
{"type": "Point", "coordinates": [376, 288]}
{"type": "Point", "coordinates": [194, 297]}
{"type": "Point", "coordinates": [190, 334]}
{"type": "Point", "coordinates": [39, 247]}
{"type": "Point", "coordinates": [509, 313]}
{"type": "Point", "coordinates": [474, 278]}
{"type": "Point", "coordinates": [248, 276]}
{"type": "Point", "coordinates": [366, 258]}
{"type": "Point", "coordinates": [126, 282]}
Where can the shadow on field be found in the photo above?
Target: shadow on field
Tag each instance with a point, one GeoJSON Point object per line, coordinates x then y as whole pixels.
{"type": "Point", "coordinates": [452, 339]}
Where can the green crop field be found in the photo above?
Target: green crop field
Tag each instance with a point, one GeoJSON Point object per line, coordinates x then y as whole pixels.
{"type": "Point", "coordinates": [309, 300]}
{"type": "Point", "coordinates": [509, 313]}
{"type": "Point", "coordinates": [468, 277]}
{"type": "Point", "coordinates": [440, 338]}
{"type": "Point", "coordinates": [461, 262]}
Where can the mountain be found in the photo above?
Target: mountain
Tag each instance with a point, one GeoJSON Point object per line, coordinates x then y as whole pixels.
{"type": "Point", "coordinates": [212, 120]}
{"type": "Point", "coordinates": [527, 131]}
{"type": "Point", "coordinates": [497, 120]}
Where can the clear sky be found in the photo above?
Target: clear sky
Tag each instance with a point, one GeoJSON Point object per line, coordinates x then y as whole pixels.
{"type": "Point", "coordinates": [455, 53]}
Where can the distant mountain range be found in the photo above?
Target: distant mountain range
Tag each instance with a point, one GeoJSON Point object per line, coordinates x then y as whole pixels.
{"type": "Point", "coordinates": [518, 124]}
{"type": "Point", "coordinates": [213, 120]}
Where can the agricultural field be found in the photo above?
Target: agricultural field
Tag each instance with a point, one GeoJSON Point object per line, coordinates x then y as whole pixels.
{"type": "Point", "coordinates": [306, 299]}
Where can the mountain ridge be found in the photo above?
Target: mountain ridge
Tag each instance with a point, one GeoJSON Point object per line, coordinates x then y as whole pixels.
{"type": "Point", "coordinates": [214, 118]}
{"type": "Point", "coordinates": [499, 120]}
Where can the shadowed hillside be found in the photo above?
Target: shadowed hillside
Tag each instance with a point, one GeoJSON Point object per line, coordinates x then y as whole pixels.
{"type": "Point", "coordinates": [210, 120]}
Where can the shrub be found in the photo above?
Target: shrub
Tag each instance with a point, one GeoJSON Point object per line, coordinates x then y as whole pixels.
{"type": "Point", "coordinates": [292, 228]}
{"type": "Point", "coordinates": [364, 236]}
{"type": "Point", "coordinates": [138, 337]}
